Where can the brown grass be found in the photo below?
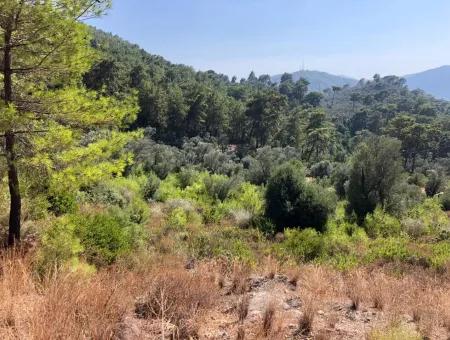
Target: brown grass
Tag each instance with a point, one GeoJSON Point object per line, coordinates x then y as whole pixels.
{"type": "Point", "coordinates": [269, 318]}
{"type": "Point", "coordinates": [162, 293]}
{"type": "Point", "coordinates": [242, 308]}
{"type": "Point", "coordinates": [305, 323]}
{"type": "Point", "coordinates": [240, 333]}
{"type": "Point", "coordinates": [239, 279]}
{"type": "Point", "coordinates": [178, 297]}
{"type": "Point", "coordinates": [69, 305]}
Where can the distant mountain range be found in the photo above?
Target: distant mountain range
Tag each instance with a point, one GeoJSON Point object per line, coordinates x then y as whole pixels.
{"type": "Point", "coordinates": [435, 81]}
{"type": "Point", "coordinates": [319, 81]}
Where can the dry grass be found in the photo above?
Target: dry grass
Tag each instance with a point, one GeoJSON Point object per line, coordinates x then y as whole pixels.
{"type": "Point", "coordinates": [239, 279]}
{"type": "Point", "coordinates": [269, 318]}
{"type": "Point", "coordinates": [64, 306]}
{"type": "Point", "coordinates": [69, 305]}
{"type": "Point", "coordinates": [162, 292]}
{"type": "Point", "coordinates": [240, 333]}
{"type": "Point", "coordinates": [305, 323]}
{"type": "Point", "coordinates": [242, 308]}
{"type": "Point", "coordinates": [178, 297]}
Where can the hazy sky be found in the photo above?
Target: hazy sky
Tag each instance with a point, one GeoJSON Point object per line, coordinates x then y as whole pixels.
{"type": "Point", "coordinates": [351, 37]}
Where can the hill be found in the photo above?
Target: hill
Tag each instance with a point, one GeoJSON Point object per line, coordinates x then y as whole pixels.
{"type": "Point", "coordinates": [319, 81]}
{"type": "Point", "coordinates": [435, 81]}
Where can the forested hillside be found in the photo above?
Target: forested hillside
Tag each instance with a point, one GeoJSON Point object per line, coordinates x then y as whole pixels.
{"type": "Point", "coordinates": [177, 103]}
{"type": "Point", "coordinates": [142, 199]}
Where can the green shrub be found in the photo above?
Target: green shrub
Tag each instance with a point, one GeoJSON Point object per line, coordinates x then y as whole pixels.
{"type": "Point", "coordinates": [219, 187]}
{"type": "Point", "coordinates": [265, 225]}
{"type": "Point", "coordinates": [440, 257]}
{"type": "Point", "coordinates": [186, 177]}
{"type": "Point", "coordinates": [321, 170]}
{"type": "Point", "coordinates": [445, 200]}
{"type": "Point", "coordinates": [417, 179]}
{"type": "Point", "coordinates": [430, 215]}
{"type": "Point", "coordinates": [231, 243]}
{"type": "Point", "coordinates": [301, 245]}
{"type": "Point", "coordinates": [381, 224]}
{"type": "Point", "coordinates": [106, 235]}
{"type": "Point", "coordinates": [435, 183]}
{"type": "Point", "coordinates": [390, 250]}
{"type": "Point", "coordinates": [151, 186]}
{"type": "Point", "coordinates": [249, 197]}
{"type": "Point", "coordinates": [59, 245]}
{"type": "Point", "coordinates": [216, 196]}
{"type": "Point", "coordinates": [62, 203]}
{"type": "Point", "coordinates": [339, 178]}
{"type": "Point", "coordinates": [291, 202]}
{"type": "Point", "coordinates": [177, 218]}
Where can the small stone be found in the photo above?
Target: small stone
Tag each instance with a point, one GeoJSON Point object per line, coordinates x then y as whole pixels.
{"type": "Point", "coordinates": [320, 312]}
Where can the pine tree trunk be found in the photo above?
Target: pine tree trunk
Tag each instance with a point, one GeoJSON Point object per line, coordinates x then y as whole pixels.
{"type": "Point", "coordinates": [10, 141]}
{"type": "Point", "coordinates": [14, 191]}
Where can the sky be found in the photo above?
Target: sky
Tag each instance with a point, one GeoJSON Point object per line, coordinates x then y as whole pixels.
{"type": "Point", "coordinates": [357, 38]}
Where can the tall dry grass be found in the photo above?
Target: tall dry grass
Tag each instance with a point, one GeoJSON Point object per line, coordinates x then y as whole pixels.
{"type": "Point", "coordinates": [67, 305]}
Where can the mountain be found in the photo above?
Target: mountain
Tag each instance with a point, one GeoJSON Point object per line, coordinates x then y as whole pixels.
{"type": "Point", "coordinates": [435, 81]}
{"type": "Point", "coordinates": [319, 81]}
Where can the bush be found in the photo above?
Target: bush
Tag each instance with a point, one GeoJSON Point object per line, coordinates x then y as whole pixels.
{"type": "Point", "coordinates": [218, 187]}
{"type": "Point", "coordinates": [151, 186]}
{"type": "Point", "coordinates": [381, 224]}
{"type": "Point", "coordinates": [389, 249]}
{"type": "Point", "coordinates": [321, 170]}
{"type": "Point", "coordinates": [105, 236]}
{"type": "Point", "coordinates": [229, 242]}
{"type": "Point", "coordinates": [59, 245]}
{"type": "Point", "coordinates": [248, 197]}
{"type": "Point", "coordinates": [374, 176]}
{"type": "Point", "coordinates": [177, 218]}
{"type": "Point", "coordinates": [62, 203]}
{"type": "Point", "coordinates": [431, 217]}
{"type": "Point", "coordinates": [445, 200]}
{"type": "Point", "coordinates": [291, 202]}
{"type": "Point", "coordinates": [302, 245]}
{"type": "Point", "coordinates": [339, 178]}
{"type": "Point", "coordinates": [435, 183]}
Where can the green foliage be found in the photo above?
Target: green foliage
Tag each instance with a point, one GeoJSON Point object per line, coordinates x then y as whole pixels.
{"type": "Point", "coordinates": [228, 242]}
{"type": "Point", "coordinates": [219, 187]}
{"type": "Point", "coordinates": [105, 236]}
{"type": "Point", "coordinates": [321, 169]}
{"type": "Point", "coordinates": [177, 218]}
{"type": "Point", "coordinates": [389, 250]}
{"type": "Point", "coordinates": [59, 245]}
{"type": "Point", "coordinates": [301, 245]}
{"type": "Point", "coordinates": [217, 196]}
{"type": "Point", "coordinates": [376, 171]}
{"type": "Point", "coordinates": [151, 186]}
{"type": "Point", "coordinates": [445, 200]}
{"type": "Point", "coordinates": [381, 224]}
{"type": "Point", "coordinates": [62, 203]}
{"type": "Point", "coordinates": [430, 218]}
{"type": "Point", "coordinates": [291, 202]}
{"type": "Point", "coordinates": [435, 183]}
{"type": "Point", "coordinates": [125, 193]}
{"type": "Point", "coordinates": [440, 255]}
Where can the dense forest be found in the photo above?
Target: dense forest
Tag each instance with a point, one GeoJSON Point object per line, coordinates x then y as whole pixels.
{"type": "Point", "coordinates": [137, 189]}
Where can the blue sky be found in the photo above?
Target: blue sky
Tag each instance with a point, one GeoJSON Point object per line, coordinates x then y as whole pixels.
{"type": "Point", "coordinates": [351, 37]}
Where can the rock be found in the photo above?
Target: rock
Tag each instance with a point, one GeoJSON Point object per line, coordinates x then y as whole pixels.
{"type": "Point", "coordinates": [293, 303]}
{"type": "Point", "coordinates": [257, 282]}
{"type": "Point", "coordinates": [320, 312]}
